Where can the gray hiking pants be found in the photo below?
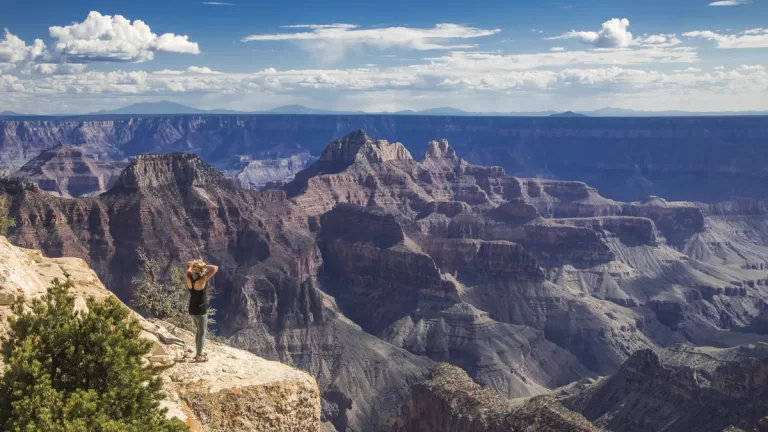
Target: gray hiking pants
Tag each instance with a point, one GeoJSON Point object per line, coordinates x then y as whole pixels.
{"type": "Point", "coordinates": [201, 327]}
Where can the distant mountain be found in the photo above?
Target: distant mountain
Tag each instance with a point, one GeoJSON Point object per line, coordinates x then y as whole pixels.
{"type": "Point", "coordinates": [568, 114]}
{"type": "Point", "coordinates": [10, 113]}
{"type": "Point", "coordinates": [160, 108]}
{"type": "Point", "coordinates": [171, 108]}
{"type": "Point", "coordinates": [301, 109]}
{"type": "Point", "coordinates": [447, 111]}
{"type": "Point", "coordinates": [624, 112]}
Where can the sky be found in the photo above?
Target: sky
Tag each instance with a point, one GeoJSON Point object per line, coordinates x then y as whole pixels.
{"type": "Point", "coordinates": [82, 56]}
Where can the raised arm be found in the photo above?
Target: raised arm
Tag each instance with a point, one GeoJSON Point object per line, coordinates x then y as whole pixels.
{"type": "Point", "coordinates": [212, 269]}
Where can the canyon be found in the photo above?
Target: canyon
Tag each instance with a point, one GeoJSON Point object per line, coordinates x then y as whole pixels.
{"type": "Point", "coordinates": [416, 290]}
{"type": "Point", "coordinates": [705, 159]}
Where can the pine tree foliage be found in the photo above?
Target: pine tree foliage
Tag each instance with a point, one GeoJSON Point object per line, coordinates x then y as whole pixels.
{"type": "Point", "coordinates": [69, 371]}
{"type": "Point", "coordinates": [5, 221]}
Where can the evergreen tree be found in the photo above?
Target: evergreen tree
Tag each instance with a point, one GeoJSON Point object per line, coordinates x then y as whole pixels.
{"type": "Point", "coordinates": [5, 221]}
{"type": "Point", "coordinates": [68, 371]}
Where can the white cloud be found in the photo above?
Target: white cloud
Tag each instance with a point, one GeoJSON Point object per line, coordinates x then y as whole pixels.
{"type": "Point", "coordinates": [201, 70]}
{"type": "Point", "coordinates": [755, 38]}
{"type": "Point", "coordinates": [322, 26]}
{"type": "Point", "coordinates": [658, 40]}
{"type": "Point", "coordinates": [14, 50]}
{"type": "Point", "coordinates": [719, 68]}
{"type": "Point", "coordinates": [751, 68]}
{"type": "Point", "coordinates": [115, 38]}
{"type": "Point", "coordinates": [729, 2]}
{"type": "Point", "coordinates": [688, 70]}
{"type": "Point", "coordinates": [557, 49]}
{"type": "Point", "coordinates": [332, 41]}
{"type": "Point", "coordinates": [54, 68]}
{"type": "Point", "coordinates": [213, 3]}
{"type": "Point", "coordinates": [473, 80]}
{"type": "Point", "coordinates": [613, 34]}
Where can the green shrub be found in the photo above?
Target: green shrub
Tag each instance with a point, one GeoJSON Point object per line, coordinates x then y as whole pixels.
{"type": "Point", "coordinates": [68, 371]}
{"type": "Point", "coordinates": [5, 221]}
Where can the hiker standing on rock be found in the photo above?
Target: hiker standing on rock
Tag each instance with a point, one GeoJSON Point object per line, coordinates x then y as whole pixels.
{"type": "Point", "coordinates": [198, 273]}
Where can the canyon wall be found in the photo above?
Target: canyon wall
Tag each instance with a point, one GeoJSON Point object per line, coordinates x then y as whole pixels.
{"type": "Point", "coordinates": [703, 158]}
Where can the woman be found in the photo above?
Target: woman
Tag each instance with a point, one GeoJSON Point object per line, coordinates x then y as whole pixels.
{"type": "Point", "coordinates": [198, 273]}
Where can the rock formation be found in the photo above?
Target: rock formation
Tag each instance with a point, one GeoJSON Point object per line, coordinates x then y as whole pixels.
{"type": "Point", "coordinates": [705, 159]}
{"type": "Point", "coordinates": [256, 174]}
{"type": "Point", "coordinates": [450, 402]}
{"type": "Point", "coordinates": [370, 266]}
{"type": "Point", "coordinates": [69, 172]}
{"type": "Point", "coordinates": [177, 208]}
{"type": "Point", "coordinates": [646, 394]}
{"type": "Point", "coordinates": [234, 391]}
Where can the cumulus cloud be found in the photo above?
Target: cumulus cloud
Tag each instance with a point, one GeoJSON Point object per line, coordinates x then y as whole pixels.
{"type": "Point", "coordinates": [613, 34]}
{"type": "Point", "coordinates": [13, 50]}
{"type": "Point", "coordinates": [729, 2]}
{"type": "Point", "coordinates": [332, 41]}
{"type": "Point", "coordinates": [115, 38]}
{"type": "Point", "coordinates": [54, 68]}
{"type": "Point", "coordinates": [557, 49]}
{"type": "Point", "coordinates": [201, 70]}
{"type": "Point", "coordinates": [754, 38]}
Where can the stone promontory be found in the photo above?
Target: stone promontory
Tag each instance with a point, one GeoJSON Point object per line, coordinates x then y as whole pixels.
{"type": "Point", "coordinates": [233, 391]}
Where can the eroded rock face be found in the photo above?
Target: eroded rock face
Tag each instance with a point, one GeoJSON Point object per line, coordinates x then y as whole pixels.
{"type": "Point", "coordinates": [257, 174]}
{"type": "Point", "coordinates": [625, 158]}
{"type": "Point", "coordinates": [450, 401]}
{"type": "Point", "coordinates": [646, 394]}
{"type": "Point", "coordinates": [69, 172]}
{"type": "Point", "coordinates": [234, 391]}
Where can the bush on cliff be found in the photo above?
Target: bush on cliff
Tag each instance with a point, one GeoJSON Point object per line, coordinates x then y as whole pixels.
{"type": "Point", "coordinates": [70, 371]}
{"type": "Point", "coordinates": [5, 221]}
{"type": "Point", "coordinates": [165, 299]}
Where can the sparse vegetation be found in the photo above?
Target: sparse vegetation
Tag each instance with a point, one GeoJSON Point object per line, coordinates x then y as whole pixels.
{"type": "Point", "coordinates": [5, 221]}
{"type": "Point", "coordinates": [70, 371]}
{"type": "Point", "coordinates": [165, 298]}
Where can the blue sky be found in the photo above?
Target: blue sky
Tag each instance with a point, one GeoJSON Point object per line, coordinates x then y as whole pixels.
{"type": "Point", "coordinates": [381, 56]}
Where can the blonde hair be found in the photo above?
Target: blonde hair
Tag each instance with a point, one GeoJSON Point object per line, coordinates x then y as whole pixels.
{"type": "Point", "coordinates": [197, 266]}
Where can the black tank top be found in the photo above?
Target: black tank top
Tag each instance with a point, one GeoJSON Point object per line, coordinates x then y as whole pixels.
{"type": "Point", "coordinates": [198, 299]}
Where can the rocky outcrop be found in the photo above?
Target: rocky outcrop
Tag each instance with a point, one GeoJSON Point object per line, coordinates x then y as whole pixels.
{"type": "Point", "coordinates": [646, 394]}
{"type": "Point", "coordinates": [256, 174]}
{"type": "Point", "coordinates": [450, 401]}
{"type": "Point", "coordinates": [234, 391]}
{"type": "Point", "coordinates": [677, 220]}
{"type": "Point", "coordinates": [69, 172]}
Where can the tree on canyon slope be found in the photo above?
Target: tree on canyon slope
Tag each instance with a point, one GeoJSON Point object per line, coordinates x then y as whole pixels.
{"type": "Point", "coordinates": [68, 370]}
{"type": "Point", "coordinates": [5, 221]}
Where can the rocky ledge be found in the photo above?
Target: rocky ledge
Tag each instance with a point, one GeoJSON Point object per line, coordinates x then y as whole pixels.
{"type": "Point", "coordinates": [234, 391]}
{"type": "Point", "coordinates": [450, 401]}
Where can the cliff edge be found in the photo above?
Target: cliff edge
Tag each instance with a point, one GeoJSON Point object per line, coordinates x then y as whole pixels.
{"type": "Point", "coordinates": [234, 391]}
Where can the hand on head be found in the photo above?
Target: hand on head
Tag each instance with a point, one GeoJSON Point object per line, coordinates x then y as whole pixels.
{"type": "Point", "coordinates": [196, 265]}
